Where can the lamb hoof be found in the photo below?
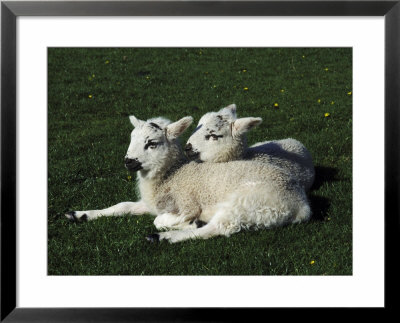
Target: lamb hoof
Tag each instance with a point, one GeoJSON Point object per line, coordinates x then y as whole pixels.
{"type": "Point", "coordinates": [72, 216]}
{"type": "Point", "coordinates": [153, 237]}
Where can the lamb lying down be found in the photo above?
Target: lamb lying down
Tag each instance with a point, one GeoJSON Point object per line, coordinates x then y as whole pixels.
{"type": "Point", "coordinates": [202, 200]}
{"type": "Point", "coordinates": [221, 137]}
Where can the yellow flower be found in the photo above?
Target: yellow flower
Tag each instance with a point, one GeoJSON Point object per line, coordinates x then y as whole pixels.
{"type": "Point", "coordinates": [129, 177]}
{"type": "Point", "coordinates": [312, 262]}
{"type": "Point", "coordinates": [349, 93]}
{"type": "Point", "coordinates": [327, 114]}
{"type": "Point", "coordinates": [107, 62]}
{"type": "Point", "coordinates": [246, 88]}
{"type": "Point", "coordinates": [282, 90]}
{"type": "Point", "coordinates": [90, 96]}
{"type": "Point", "coordinates": [319, 100]}
{"type": "Point", "coordinates": [276, 105]}
{"type": "Point", "coordinates": [332, 102]}
{"type": "Point", "coordinates": [244, 71]}
{"type": "Point", "coordinates": [326, 69]}
{"type": "Point", "coordinates": [303, 56]}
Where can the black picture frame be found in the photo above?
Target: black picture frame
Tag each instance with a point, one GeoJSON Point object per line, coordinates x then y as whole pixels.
{"type": "Point", "coordinates": [10, 10]}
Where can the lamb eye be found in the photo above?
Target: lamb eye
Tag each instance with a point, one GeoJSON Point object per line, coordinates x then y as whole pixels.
{"type": "Point", "coordinates": [212, 137]}
{"type": "Point", "coordinates": [151, 145]}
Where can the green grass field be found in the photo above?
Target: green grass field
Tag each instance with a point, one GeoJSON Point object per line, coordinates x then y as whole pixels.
{"type": "Point", "coordinates": [303, 93]}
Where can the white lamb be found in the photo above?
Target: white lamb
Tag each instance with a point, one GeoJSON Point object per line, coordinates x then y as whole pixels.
{"type": "Point", "coordinates": [202, 199]}
{"type": "Point", "coordinates": [221, 137]}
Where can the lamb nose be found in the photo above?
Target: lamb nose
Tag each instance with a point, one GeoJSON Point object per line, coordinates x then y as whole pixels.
{"type": "Point", "coordinates": [128, 161]}
{"type": "Point", "coordinates": [188, 147]}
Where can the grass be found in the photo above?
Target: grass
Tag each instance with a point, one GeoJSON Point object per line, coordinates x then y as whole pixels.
{"type": "Point", "coordinates": [91, 93]}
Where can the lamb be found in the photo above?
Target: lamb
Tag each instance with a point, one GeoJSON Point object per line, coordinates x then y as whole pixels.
{"type": "Point", "coordinates": [221, 137]}
{"type": "Point", "coordinates": [202, 200]}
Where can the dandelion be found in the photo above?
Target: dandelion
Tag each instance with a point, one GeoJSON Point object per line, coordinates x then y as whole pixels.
{"type": "Point", "coordinates": [349, 93]}
{"type": "Point", "coordinates": [327, 114]}
{"type": "Point", "coordinates": [319, 100]}
{"type": "Point", "coordinates": [282, 91]}
{"type": "Point", "coordinates": [326, 69]}
{"type": "Point", "coordinates": [244, 71]}
{"type": "Point", "coordinates": [312, 262]}
{"type": "Point", "coordinates": [276, 105]}
{"type": "Point", "coordinates": [303, 56]}
{"type": "Point", "coordinates": [107, 62]}
{"type": "Point", "coordinates": [129, 177]}
{"type": "Point", "coordinates": [90, 96]}
{"type": "Point", "coordinates": [246, 88]}
{"type": "Point", "coordinates": [332, 102]}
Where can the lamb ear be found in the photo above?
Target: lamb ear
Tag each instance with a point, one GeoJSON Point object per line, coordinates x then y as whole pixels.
{"type": "Point", "coordinates": [242, 125]}
{"type": "Point", "coordinates": [174, 130]}
{"type": "Point", "coordinates": [229, 110]}
{"type": "Point", "coordinates": [135, 122]}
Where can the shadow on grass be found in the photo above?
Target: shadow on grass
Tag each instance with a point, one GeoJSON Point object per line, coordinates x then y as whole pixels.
{"type": "Point", "coordinates": [320, 204]}
{"type": "Point", "coordinates": [323, 175]}
{"type": "Point", "coordinates": [319, 207]}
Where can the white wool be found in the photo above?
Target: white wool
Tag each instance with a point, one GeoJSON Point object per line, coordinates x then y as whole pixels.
{"type": "Point", "coordinates": [221, 137]}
